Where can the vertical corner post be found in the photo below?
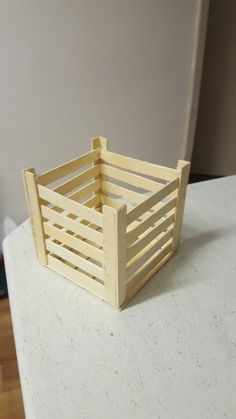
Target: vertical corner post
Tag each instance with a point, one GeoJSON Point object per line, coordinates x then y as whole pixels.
{"type": "Point", "coordinates": [100, 143]}
{"type": "Point", "coordinates": [183, 169]}
{"type": "Point", "coordinates": [32, 197]}
{"type": "Point", "coordinates": [115, 254]}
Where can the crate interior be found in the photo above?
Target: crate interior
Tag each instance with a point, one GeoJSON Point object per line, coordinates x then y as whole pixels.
{"type": "Point", "coordinates": [98, 183]}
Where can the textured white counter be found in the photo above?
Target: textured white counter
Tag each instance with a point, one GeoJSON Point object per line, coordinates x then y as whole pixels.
{"type": "Point", "coordinates": [170, 354]}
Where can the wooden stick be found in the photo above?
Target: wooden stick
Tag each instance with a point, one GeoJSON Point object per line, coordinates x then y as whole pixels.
{"type": "Point", "coordinates": [148, 266]}
{"type": "Point", "coordinates": [152, 249]}
{"type": "Point", "coordinates": [77, 180]}
{"type": "Point", "coordinates": [78, 277]}
{"type": "Point", "coordinates": [183, 169]}
{"type": "Point", "coordinates": [65, 169]}
{"type": "Point", "coordinates": [139, 166]}
{"type": "Point", "coordinates": [74, 242]}
{"type": "Point", "coordinates": [75, 259]}
{"type": "Point", "coordinates": [69, 205]}
{"type": "Point", "coordinates": [130, 178]}
{"type": "Point", "coordinates": [152, 200]}
{"type": "Point", "coordinates": [140, 244]}
{"type": "Point", "coordinates": [150, 220]}
{"type": "Point", "coordinates": [72, 225]}
{"type": "Point", "coordinates": [99, 143]}
{"type": "Point", "coordinates": [109, 187]}
{"type": "Point", "coordinates": [114, 230]}
{"type": "Point", "coordinates": [32, 197]}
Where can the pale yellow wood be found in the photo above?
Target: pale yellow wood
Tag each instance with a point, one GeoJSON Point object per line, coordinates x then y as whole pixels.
{"type": "Point", "coordinates": [86, 190]}
{"type": "Point", "coordinates": [65, 169]}
{"type": "Point", "coordinates": [163, 210]}
{"type": "Point", "coordinates": [109, 187]}
{"type": "Point", "coordinates": [183, 169]}
{"type": "Point", "coordinates": [152, 200]}
{"type": "Point", "coordinates": [75, 259]}
{"type": "Point", "coordinates": [114, 203]}
{"type": "Point", "coordinates": [148, 266]}
{"type": "Point", "coordinates": [72, 206]}
{"type": "Point", "coordinates": [73, 242]}
{"type": "Point", "coordinates": [130, 178]}
{"type": "Point", "coordinates": [114, 231]}
{"type": "Point", "coordinates": [72, 225]}
{"type": "Point", "coordinates": [35, 213]}
{"type": "Point", "coordinates": [162, 239]}
{"type": "Point", "coordinates": [140, 244]}
{"type": "Point", "coordinates": [99, 142]}
{"type": "Point", "coordinates": [78, 277]}
{"type": "Point", "coordinates": [139, 166]}
{"type": "Point", "coordinates": [143, 275]}
{"type": "Point", "coordinates": [116, 261]}
{"type": "Point", "coordinates": [77, 180]}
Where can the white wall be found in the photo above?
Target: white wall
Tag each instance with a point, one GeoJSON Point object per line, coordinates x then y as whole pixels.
{"type": "Point", "coordinates": [71, 70]}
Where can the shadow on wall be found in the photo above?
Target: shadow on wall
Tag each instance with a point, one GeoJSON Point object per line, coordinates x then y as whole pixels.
{"type": "Point", "coordinates": [166, 281]}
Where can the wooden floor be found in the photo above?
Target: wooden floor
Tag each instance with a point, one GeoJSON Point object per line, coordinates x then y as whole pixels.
{"type": "Point", "coordinates": [11, 405]}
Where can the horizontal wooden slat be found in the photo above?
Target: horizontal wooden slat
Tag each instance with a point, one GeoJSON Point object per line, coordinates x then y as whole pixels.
{"type": "Point", "coordinates": [86, 190]}
{"type": "Point", "coordinates": [119, 190]}
{"type": "Point", "coordinates": [145, 240]}
{"type": "Point", "coordinates": [130, 178]}
{"type": "Point", "coordinates": [77, 180]}
{"type": "Point", "coordinates": [132, 268]}
{"type": "Point", "coordinates": [78, 277]}
{"type": "Point", "coordinates": [76, 260]}
{"type": "Point", "coordinates": [72, 225]}
{"type": "Point", "coordinates": [71, 206]}
{"type": "Point", "coordinates": [151, 201]}
{"type": "Point", "coordinates": [73, 242]}
{"type": "Point", "coordinates": [153, 218]}
{"type": "Point", "coordinates": [148, 268]}
{"type": "Point", "coordinates": [69, 167]}
{"type": "Point", "coordinates": [138, 166]}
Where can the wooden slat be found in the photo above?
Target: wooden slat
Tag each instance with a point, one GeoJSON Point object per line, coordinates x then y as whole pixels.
{"type": "Point", "coordinates": [76, 260]}
{"type": "Point", "coordinates": [132, 268]}
{"type": "Point", "coordinates": [71, 206]}
{"type": "Point", "coordinates": [140, 244]}
{"type": "Point", "coordinates": [183, 170]}
{"type": "Point", "coordinates": [115, 254]}
{"type": "Point", "coordinates": [77, 180]}
{"type": "Point", "coordinates": [130, 178]}
{"type": "Point", "coordinates": [78, 277]}
{"type": "Point", "coordinates": [67, 168]}
{"type": "Point", "coordinates": [147, 270]}
{"type": "Point", "coordinates": [153, 218]}
{"type": "Point", "coordinates": [85, 191]}
{"type": "Point", "coordinates": [72, 225]}
{"type": "Point", "coordinates": [138, 166]}
{"type": "Point", "coordinates": [73, 242]}
{"type": "Point", "coordinates": [35, 213]}
{"type": "Point", "coordinates": [152, 200]}
{"type": "Point", "coordinates": [109, 187]}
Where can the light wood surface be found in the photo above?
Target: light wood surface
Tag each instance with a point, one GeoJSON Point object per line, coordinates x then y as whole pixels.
{"type": "Point", "coordinates": [83, 229]}
{"type": "Point", "coordinates": [11, 404]}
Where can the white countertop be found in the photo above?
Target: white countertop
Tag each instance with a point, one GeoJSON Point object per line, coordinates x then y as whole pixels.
{"type": "Point", "coordinates": [170, 354]}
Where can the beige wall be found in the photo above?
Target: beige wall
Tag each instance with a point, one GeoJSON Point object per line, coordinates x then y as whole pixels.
{"type": "Point", "coordinates": [71, 70]}
{"type": "Point", "coordinates": [215, 144]}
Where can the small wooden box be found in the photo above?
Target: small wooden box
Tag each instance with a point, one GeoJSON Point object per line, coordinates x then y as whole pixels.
{"type": "Point", "coordinates": [111, 226]}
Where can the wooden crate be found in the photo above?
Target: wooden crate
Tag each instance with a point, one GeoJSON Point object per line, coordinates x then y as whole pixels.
{"type": "Point", "coordinates": [112, 225]}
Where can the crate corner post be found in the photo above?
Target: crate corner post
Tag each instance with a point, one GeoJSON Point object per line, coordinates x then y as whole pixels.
{"type": "Point", "coordinates": [115, 248]}
{"type": "Point", "coordinates": [33, 204]}
{"type": "Point", "coordinates": [99, 142]}
{"type": "Point", "coordinates": [183, 169]}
